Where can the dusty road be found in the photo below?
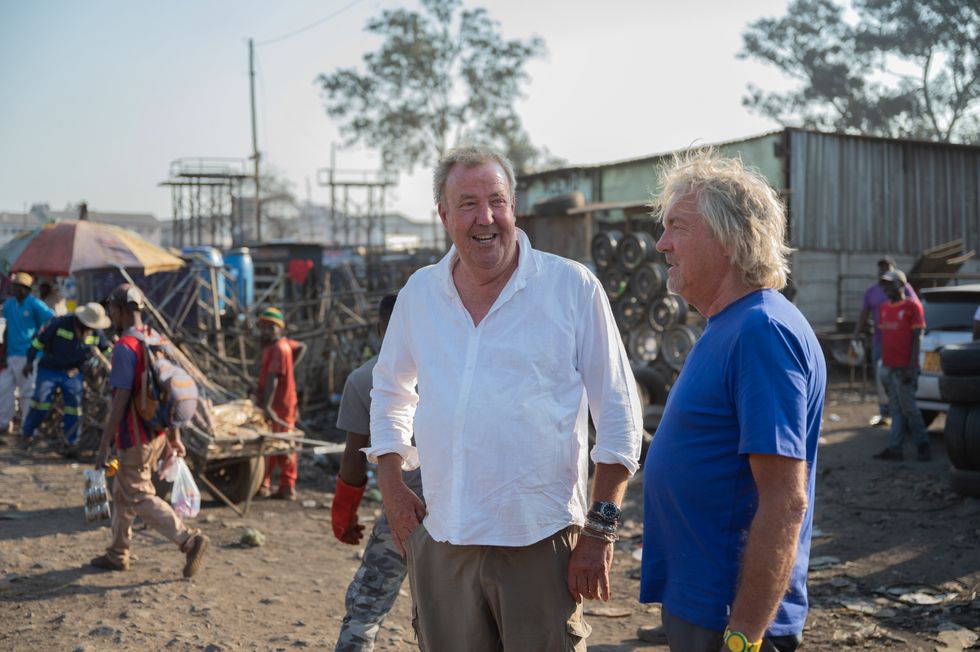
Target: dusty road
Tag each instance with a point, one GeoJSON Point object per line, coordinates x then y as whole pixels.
{"type": "Point", "coordinates": [897, 551]}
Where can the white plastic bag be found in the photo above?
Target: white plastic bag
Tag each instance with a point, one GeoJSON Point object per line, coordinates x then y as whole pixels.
{"type": "Point", "coordinates": [167, 467]}
{"type": "Point", "coordinates": [185, 496]}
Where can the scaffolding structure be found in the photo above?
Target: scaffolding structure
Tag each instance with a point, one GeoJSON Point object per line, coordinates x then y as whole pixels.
{"type": "Point", "coordinates": [357, 205]}
{"type": "Point", "coordinates": [204, 195]}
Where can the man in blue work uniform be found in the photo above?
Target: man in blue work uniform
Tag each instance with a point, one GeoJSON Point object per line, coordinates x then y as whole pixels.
{"type": "Point", "coordinates": [25, 315]}
{"type": "Point", "coordinates": [67, 342]}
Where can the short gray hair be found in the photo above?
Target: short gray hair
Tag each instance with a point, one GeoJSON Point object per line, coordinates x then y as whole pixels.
{"type": "Point", "coordinates": [740, 208]}
{"type": "Point", "coordinates": [469, 156]}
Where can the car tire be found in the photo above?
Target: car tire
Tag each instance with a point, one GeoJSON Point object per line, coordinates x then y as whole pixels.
{"type": "Point", "coordinates": [960, 359]}
{"type": "Point", "coordinates": [953, 435]}
{"type": "Point", "coordinates": [630, 312]}
{"type": "Point", "coordinates": [604, 248]}
{"type": "Point", "coordinates": [928, 416]}
{"type": "Point", "coordinates": [615, 280]}
{"type": "Point", "coordinates": [964, 482]}
{"type": "Point", "coordinates": [960, 389]}
{"type": "Point", "coordinates": [655, 381]}
{"type": "Point", "coordinates": [635, 249]}
{"type": "Point", "coordinates": [971, 439]}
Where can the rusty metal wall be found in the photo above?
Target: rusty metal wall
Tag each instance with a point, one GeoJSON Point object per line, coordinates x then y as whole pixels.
{"type": "Point", "coordinates": [849, 193]}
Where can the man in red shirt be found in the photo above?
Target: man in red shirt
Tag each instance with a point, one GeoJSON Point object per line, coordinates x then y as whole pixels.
{"type": "Point", "coordinates": [276, 395]}
{"type": "Point", "coordinates": [901, 323]}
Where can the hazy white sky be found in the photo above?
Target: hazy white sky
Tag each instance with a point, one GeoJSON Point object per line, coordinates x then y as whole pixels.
{"type": "Point", "coordinates": [99, 97]}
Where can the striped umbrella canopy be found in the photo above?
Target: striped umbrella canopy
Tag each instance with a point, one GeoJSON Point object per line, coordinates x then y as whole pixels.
{"type": "Point", "coordinates": [12, 250]}
{"type": "Point", "coordinates": [63, 248]}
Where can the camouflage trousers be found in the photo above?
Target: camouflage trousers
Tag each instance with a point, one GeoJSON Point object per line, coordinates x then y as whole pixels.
{"type": "Point", "coordinates": [376, 583]}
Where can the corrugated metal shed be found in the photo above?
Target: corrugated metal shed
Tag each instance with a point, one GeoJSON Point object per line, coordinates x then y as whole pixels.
{"type": "Point", "coordinates": [854, 193]}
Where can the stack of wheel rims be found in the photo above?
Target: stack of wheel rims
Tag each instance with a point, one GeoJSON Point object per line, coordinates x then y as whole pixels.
{"type": "Point", "coordinates": [960, 386]}
{"type": "Point", "coordinates": [654, 324]}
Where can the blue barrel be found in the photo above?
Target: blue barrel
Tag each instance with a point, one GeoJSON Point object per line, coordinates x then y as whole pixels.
{"type": "Point", "coordinates": [202, 260]}
{"type": "Point", "coordinates": [240, 268]}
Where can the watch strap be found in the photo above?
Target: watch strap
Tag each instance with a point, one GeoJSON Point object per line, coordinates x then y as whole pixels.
{"type": "Point", "coordinates": [737, 642]}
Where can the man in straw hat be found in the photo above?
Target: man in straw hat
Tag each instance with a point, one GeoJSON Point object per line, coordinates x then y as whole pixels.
{"type": "Point", "coordinates": [25, 315]}
{"type": "Point", "coordinates": [276, 395]}
{"type": "Point", "coordinates": [139, 447]}
{"type": "Point", "coordinates": [68, 343]}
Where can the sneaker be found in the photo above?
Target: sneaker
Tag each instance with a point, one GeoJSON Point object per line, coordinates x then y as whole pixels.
{"type": "Point", "coordinates": [655, 635]}
{"type": "Point", "coordinates": [105, 563]}
{"type": "Point", "coordinates": [879, 421]}
{"type": "Point", "coordinates": [924, 453]}
{"type": "Point", "coordinates": [195, 556]}
{"type": "Point", "coordinates": [263, 492]}
{"type": "Point", "coordinates": [890, 454]}
{"type": "Point", "coordinates": [285, 493]}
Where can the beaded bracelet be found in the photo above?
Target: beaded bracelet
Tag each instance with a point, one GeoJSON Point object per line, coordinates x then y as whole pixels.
{"type": "Point", "coordinates": [596, 516]}
{"type": "Point", "coordinates": [600, 526]}
{"type": "Point", "coordinates": [602, 536]}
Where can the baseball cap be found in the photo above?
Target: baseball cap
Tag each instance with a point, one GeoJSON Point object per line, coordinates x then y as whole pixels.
{"type": "Point", "coordinates": [128, 295]}
{"type": "Point", "coordinates": [894, 276]}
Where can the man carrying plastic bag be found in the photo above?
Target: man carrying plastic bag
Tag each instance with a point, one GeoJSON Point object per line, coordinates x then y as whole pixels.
{"type": "Point", "coordinates": [139, 448]}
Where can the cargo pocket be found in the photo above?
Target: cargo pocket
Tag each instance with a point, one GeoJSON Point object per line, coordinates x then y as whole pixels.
{"type": "Point", "coordinates": [577, 630]}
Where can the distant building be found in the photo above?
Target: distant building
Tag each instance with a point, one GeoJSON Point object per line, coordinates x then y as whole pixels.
{"type": "Point", "coordinates": [316, 223]}
{"type": "Point", "coordinates": [13, 223]}
{"type": "Point", "coordinates": [143, 224]}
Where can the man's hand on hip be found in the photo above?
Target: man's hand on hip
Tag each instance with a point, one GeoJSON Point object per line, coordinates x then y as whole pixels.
{"type": "Point", "coordinates": [588, 569]}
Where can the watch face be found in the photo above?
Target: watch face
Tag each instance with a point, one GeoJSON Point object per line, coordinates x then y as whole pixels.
{"type": "Point", "coordinates": [608, 511]}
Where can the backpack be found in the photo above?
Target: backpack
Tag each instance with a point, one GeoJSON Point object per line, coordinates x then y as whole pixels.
{"type": "Point", "coordinates": [166, 395]}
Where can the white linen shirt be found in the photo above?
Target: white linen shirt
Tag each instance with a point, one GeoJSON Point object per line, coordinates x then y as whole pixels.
{"type": "Point", "coordinates": [502, 423]}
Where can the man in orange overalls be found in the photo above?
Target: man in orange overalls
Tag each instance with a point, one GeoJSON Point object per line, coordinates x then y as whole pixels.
{"type": "Point", "coordinates": [276, 395]}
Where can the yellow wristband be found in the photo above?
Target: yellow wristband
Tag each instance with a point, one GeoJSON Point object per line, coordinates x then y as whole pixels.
{"type": "Point", "coordinates": [737, 642]}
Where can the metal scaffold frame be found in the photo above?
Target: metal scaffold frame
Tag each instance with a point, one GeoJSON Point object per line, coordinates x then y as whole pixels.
{"type": "Point", "coordinates": [204, 194]}
{"type": "Point", "coordinates": [361, 195]}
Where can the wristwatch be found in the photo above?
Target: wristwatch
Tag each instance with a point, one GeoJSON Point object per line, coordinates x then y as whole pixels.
{"type": "Point", "coordinates": [737, 642]}
{"type": "Point", "coordinates": [607, 511]}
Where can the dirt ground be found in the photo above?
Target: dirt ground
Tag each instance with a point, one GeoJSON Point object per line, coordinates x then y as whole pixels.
{"type": "Point", "coordinates": [896, 563]}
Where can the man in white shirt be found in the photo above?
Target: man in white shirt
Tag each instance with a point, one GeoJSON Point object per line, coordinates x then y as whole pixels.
{"type": "Point", "coordinates": [510, 348]}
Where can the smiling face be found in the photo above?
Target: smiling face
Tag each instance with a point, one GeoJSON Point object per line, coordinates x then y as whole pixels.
{"type": "Point", "coordinates": [697, 262]}
{"type": "Point", "coordinates": [477, 211]}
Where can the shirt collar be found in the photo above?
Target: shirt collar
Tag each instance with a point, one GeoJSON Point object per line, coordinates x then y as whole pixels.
{"type": "Point", "coordinates": [527, 266]}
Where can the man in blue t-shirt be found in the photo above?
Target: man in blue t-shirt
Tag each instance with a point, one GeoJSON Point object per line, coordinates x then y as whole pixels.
{"type": "Point", "coordinates": [729, 478]}
{"type": "Point", "coordinates": [25, 315]}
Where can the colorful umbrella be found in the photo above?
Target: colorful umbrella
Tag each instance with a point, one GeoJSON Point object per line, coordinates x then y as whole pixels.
{"type": "Point", "coordinates": [62, 248]}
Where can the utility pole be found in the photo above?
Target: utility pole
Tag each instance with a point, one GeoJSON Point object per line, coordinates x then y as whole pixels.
{"type": "Point", "coordinates": [255, 139]}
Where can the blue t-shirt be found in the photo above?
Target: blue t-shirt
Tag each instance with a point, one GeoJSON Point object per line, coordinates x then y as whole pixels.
{"type": "Point", "coordinates": [24, 320]}
{"type": "Point", "coordinates": [752, 384]}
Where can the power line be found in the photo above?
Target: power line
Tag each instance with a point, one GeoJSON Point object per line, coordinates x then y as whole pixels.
{"type": "Point", "coordinates": [310, 26]}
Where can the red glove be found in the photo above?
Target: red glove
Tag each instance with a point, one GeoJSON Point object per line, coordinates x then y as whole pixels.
{"type": "Point", "coordinates": [343, 512]}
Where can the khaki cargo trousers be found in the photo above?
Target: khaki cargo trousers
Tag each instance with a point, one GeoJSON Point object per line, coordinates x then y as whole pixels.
{"type": "Point", "coordinates": [491, 598]}
{"type": "Point", "coordinates": [133, 494]}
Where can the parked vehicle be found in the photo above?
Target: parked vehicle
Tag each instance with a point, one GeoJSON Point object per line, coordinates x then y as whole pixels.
{"type": "Point", "coordinates": [949, 320]}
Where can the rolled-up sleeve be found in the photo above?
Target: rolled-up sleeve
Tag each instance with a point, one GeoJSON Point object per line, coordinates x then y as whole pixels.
{"type": "Point", "coordinates": [609, 384]}
{"type": "Point", "coordinates": [393, 395]}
